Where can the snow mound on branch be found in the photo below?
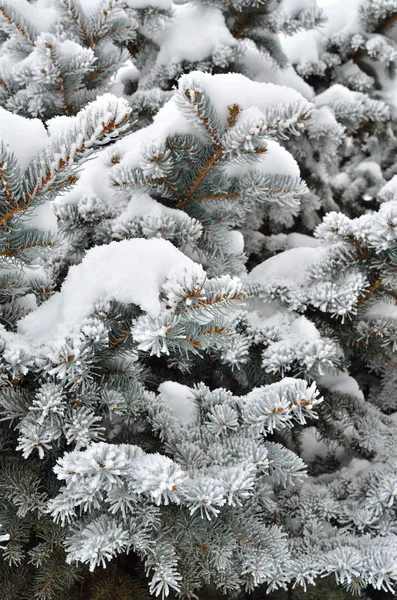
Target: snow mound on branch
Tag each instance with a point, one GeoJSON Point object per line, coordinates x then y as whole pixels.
{"type": "Point", "coordinates": [340, 382]}
{"type": "Point", "coordinates": [277, 160]}
{"type": "Point", "coordinates": [260, 68]}
{"type": "Point", "coordinates": [180, 399]}
{"type": "Point", "coordinates": [224, 91]}
{"type": "Point", "coordinates": [303, 47]}
{"type": "Point", "coordinates": [338, 93]}
{"type": "Point", "coordinates": [289, 266]}
{"type": "Point", "coordinates": [40, 14]}
{"type": "Point", "coordinates": [130, 271]}
{"type": "Point", "coordinates": [233, 88]}
{"type": "Point", "coordinates": [193, 34]}
{"type": "Point", "coordinates": [162, 4]}
{"type": "Point", "coordinates": [25, 137]}
{"type": "Point", "coordinates": [342, 17]}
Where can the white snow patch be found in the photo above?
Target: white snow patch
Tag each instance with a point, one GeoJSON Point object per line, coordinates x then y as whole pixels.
{"type": "Point", "coordinates": [303, 47]}
{"type": "Point", "coordinates": [180, 399]}
{"type": "Point", "coordinates": [300, 240]}
{"type": "Point", "coordinates": [130, 271]}
{"type": "Point", "coordinates": [276, 160]}
{"type": "Point", "coordinates": [26, 137]}
{"type": "Point", "coordinates": [40, 14]}
{"type": "Point", "coordinates": [261, 69]}
{"type": "Point", "coordinates": [235, 242]}
{"type": "Point", "coordinates": [338, 93]}
{"type": "Point", "coordinates": [382, 310]}
{"type": "Point", "coordinates": [290, 265]}
{"type": "Point", "coordinates": [192, 34]}
{"type": "Point", "coordinates": [234, 88]}
{"type": "Point", "coordinates": [43, 217]}
{"type": "Point", "coordinates": [340, 382]}
{"type": "Point", "coordinates": [162, 4]}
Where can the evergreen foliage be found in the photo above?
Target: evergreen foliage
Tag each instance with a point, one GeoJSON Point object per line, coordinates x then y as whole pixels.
{"type": "Point", "coordinates": [197, 396]}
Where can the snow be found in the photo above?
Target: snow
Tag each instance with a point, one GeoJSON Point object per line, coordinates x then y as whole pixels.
{"type": "Point", "coordinates": [312, 445]}
{"type": "Point", "coordinates": [340, 382]}
{"type": "Point", "coordinates": [91, 6]}
{"type": "Point", "coordinates": [130, 271]}
{"type": "Point", "coordinates": [140, 204]}
{"type": "Point", "coordinates": [180, 399]}
{"type": "Point", "coordinates": [372, 168]}
{"type": "Point", "coordinates": [237, 89]}
{"type": "Point", "coordinates": [276, 160]}
{"type": "Point", "coordinates": [342, 17]}
{"type": "Point", "coordinates": [323, 117]}
{"type": "Point", "coordinates": [389, 190]}
{"type": "Point", "coordinates": [26, 137]}
{"type": "Point", "coordinates": [162, 4]}
{"type": "Point", "coordinates": [92, 182]}
{"type": "Point", "coordinates": [261, 69]}
{"type": "Point", "coordinates": [303, 47]}
{"type": "Point", "coordinates": [235, 242]}
{"type": "Point", "coordinates": [193, 34]}
{"type": "Point", "coordinates": [224, 90]}
{"type": "Point", "coordinates": [43, 217]}
{"type": "Point", "coordinates": [382, 310]}
{"type": "Point", "coordinates": [290, 265]}
{"type": "Point", "coordinates": [300, 240]}
{"type": "Point", "coordinates": [72, 49]}
{"type": "Point", "coordinates": [40, 14]}
{"type": "Point", "coordinates": [337, 93]}
{"type": "Point", "coordinates": [126, 73]}
{"type": "Point", "coordinates": [294, 6]}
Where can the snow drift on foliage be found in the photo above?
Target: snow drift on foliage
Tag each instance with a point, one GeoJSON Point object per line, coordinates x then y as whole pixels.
{"type": "Point", "coordinates": [130, 271]}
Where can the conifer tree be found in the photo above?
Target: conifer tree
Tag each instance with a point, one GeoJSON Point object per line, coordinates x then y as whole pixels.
{"type": "Point", "coordinates": [36, 164]}
{"type": "Point", "coordinates": [57, 56]}
{"type": "Point", "coordinates": [192, 388]}
{"type": "Point", "coordinates": [351, 64]}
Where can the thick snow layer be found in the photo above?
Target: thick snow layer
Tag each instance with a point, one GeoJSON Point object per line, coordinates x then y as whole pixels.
{"type": "Point", "coordinates": [25, 137]}
{"type": "Point", "coordinates": [276, 160]}
{"type": "Point", "coordinates": [261, 69]}
{"type": "Point", "coordinates": [180, 399]}
{"type": "Point", "coordinates": [382, 310]}
{"type": "Point", "coordinates": [233, 88]}
{"type": "Point", "coordinates": [235, 242]}
{"type": "Point", "coordinates": [323, 117]}
{"type": "Point", "coordinates": [303, 47]}
{"type": "Point", "coordinates": [340, 382]}
{"type": "Point", "coordinates": [130, 271]}
{"type": "Point", "coordinates": [162, 4]}
{"type": "Point", "coordinates": [342, 17]}
{"type": "Point", "coordinates": [294, 6]}
{"type": "Point", "coordinates": [192, 34]}
{"type": "Point", "coordinates": [290, 265]}
{"type": "Point", "coordinates": [92, 182]}
{"type": "Point", "coordinates": [224, 90]}
{"type": "Point", "coordinates": [40, 14]}
{"type": "Point", "coordinates": [43, 217]}
{"type": "Point", "coordinates": [300, 240]}
{"type": "Point", "coordinates": [337, 93]}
